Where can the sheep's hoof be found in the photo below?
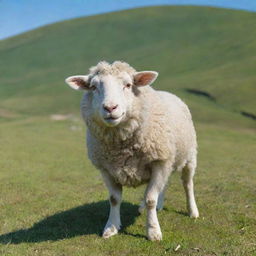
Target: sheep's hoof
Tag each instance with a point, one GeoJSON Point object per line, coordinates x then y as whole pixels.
{"type": "Point", "coordinates": [194, 214]}
{"type": "Point", "coordinates": [109, 231]}
{"type": "Point", "coordinates": [154, 234]}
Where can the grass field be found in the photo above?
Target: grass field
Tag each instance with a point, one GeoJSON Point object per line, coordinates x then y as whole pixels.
{"type": "Point", "coordinates": [53, 201]}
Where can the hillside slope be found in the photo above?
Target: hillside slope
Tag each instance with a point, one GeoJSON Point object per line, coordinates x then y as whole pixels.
{"type": "Point", "coordinates": [207, 49]}
{"type": "Point", "coordinates": [53, 200]}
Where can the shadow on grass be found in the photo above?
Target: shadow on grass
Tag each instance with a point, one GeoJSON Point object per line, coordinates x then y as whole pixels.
{"type": "Point", "coordinates": [182, 213]}
{"type": "Point", "coordinates": [82, 220]}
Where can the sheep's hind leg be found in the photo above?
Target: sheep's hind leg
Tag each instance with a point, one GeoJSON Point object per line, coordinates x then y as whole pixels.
{"type": "Point", "coordinates": [187, 179]}
{"type": "Point", "coordinates": [115, 198]}
{"type": "Point", "coordinates": [160, 200]}
{"type": "Point", "coordinates": [158, 180]}
{"type": "Point", "coordinates": [142, 206]}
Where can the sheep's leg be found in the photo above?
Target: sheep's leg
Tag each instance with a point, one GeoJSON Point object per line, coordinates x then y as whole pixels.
{"type": "Point", "coordinates": [160, 203]}
{"type": "Point", "coordinates": [187, 179]}
{"type": "Point", "coordinates": [115, 198]}
{"type": "Point", "coordinates": [142, 206]}
{"type": "Point", "coordinates": [160, 200]}
{"type": "Point", "coordinates": [158, 180]}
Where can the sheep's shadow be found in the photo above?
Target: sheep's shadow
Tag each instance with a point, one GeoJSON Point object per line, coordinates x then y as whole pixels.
{"type": "Point", "coordinates": [82, 220]}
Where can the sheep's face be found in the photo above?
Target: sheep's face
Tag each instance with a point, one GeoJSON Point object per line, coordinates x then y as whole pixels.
{"type": "Point", "coordinates": [111, 96]}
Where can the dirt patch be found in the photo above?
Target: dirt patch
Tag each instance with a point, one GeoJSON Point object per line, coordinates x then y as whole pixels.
{"type": "Point", "coordinates": [201, 93]}
{"type": "Point", "coordinates": [60, 117]}
{"type": "Point", "coordinates": [4, 113]}
{"type": "Point", "coordinates": [212, 98]}
{"type": "Point", "coordinates": [247, 114]}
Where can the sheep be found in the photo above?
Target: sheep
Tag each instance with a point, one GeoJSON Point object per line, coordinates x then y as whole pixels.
{"type": "Point", "coordinates": [136, 135]}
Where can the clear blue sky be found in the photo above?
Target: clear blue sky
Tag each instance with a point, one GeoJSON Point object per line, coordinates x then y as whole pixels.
{"type": "Point", "coordinates": [17, 16]}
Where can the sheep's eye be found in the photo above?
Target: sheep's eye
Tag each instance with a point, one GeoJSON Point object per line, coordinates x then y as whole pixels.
{"type": "Point", "coordinates": [128, 85]}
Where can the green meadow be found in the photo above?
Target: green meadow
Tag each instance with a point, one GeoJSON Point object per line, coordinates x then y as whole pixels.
{"type": "Point", "coordinates": [53, 201]}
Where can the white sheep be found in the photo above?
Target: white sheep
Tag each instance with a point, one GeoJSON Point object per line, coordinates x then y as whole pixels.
{"type": "Point", "coordinates": [136, 135]}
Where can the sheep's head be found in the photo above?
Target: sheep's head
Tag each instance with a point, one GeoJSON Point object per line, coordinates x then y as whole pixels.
{"type": "Point", "coordinates": [111, 89]}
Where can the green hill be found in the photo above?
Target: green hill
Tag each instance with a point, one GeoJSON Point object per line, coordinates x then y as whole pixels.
{"type": "Point", "coordinates": [209, 49]}
{"type": "Point", "coordinates": [53, 200]}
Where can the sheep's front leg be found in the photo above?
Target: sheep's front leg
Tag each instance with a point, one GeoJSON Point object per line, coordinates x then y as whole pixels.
{"type": "Point", "coordinates": [115, 198]}
{"type": "Point", "coordinates": [158, 180]}
{"type": "Point", "coordinates": [159, 206]}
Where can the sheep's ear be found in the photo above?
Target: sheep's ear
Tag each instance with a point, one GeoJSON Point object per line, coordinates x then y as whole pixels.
{"type": "Point", "coordinates": [145, 78]}
{"type": "Point", "coordinates": [78, 82]}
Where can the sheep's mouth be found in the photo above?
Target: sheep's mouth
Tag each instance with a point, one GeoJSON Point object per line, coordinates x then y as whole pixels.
{"type": "Point", "coordinates": [113, 119]}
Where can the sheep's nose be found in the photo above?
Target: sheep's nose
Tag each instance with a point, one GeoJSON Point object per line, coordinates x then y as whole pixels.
{"type": "Point", "coordinates": [110, 108]}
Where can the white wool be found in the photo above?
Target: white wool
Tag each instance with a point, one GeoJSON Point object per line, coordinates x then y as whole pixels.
{"type": "Point", "coordinates": [160, 129]}
{"type": "Point", "coordinates": [155, 138]}
{"type": "Point", "coordinates": [115, 68]}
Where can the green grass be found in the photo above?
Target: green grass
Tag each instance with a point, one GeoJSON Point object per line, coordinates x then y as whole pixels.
{"type": "Point", "coordinates": [53, 201]}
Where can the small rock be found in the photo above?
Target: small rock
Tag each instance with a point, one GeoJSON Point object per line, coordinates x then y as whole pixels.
{"type": "Point", "coordinates": [177, 248]}
{"type": "Point", "coordinates": [60, 117]}
{"type": "Point", "coordinates": [75, 128]}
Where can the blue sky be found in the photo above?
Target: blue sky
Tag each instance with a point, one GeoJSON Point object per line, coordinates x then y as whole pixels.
{"type": "Point", "coordinates": [18, 16]}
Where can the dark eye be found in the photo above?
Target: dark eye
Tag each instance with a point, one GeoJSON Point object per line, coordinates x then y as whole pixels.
{"type": "Point", "coordinates": [128, 85]}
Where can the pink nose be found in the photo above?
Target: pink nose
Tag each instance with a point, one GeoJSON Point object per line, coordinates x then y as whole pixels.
{"type": "Point", "coordinates": [109, 108]}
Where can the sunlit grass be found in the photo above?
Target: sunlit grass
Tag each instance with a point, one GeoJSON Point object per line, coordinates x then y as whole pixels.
{"type": "Point", "coordinates": [53, 201]}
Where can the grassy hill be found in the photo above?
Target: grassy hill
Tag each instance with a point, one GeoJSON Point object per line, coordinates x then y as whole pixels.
{"type": "Point", "coordinates": [201, 48]}
{"type": "Point", "coordinates": [53, 199]}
